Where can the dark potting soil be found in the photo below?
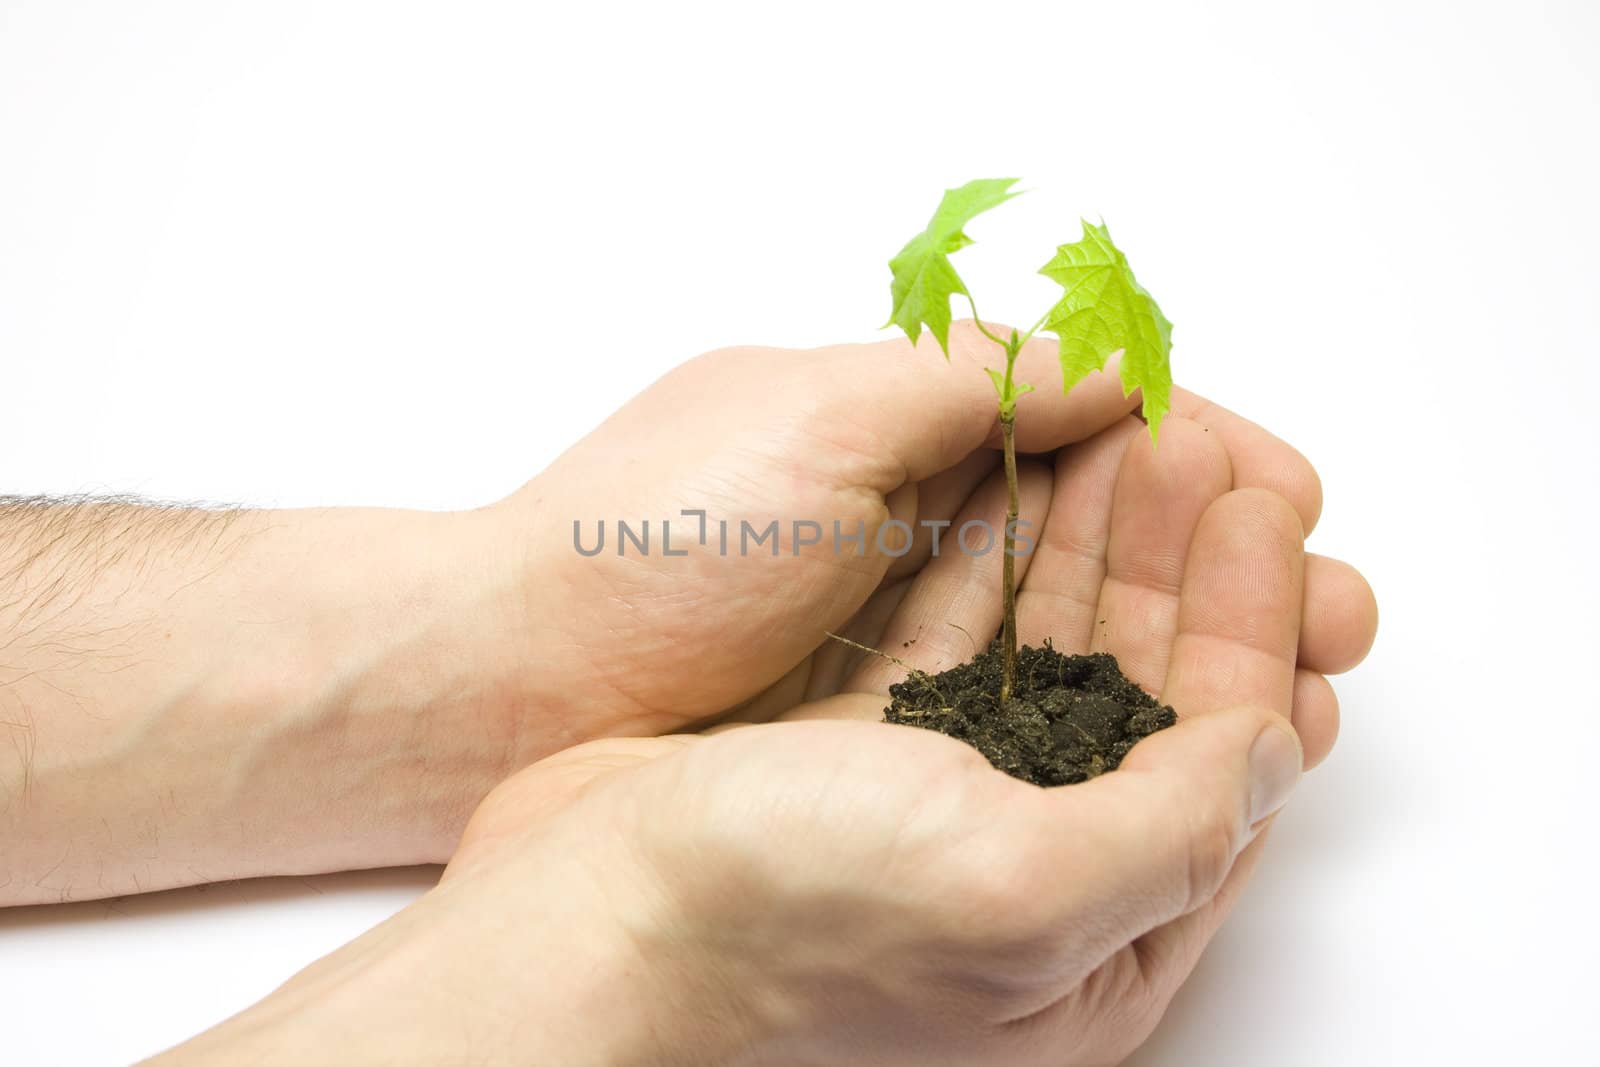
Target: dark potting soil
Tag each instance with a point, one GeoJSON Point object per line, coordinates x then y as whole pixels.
{"type": "Point", "coordinates": [1069, 718]}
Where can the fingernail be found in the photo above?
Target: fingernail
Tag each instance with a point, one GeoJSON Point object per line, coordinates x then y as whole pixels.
{"type": "Point", "coordinates": [1274, 769]}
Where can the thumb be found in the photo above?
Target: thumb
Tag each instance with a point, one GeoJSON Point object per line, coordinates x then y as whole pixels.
{"type": "Point", "coordinates": [930, 413]}
{"type": "Point", "coordinates": [1155, 840]}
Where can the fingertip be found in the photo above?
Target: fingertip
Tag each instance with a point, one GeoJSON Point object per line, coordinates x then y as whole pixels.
{"type": "Point", "coordinates": [1301, 485]}
{"type": "Point", "coordinates": [1267, 461]}
{"type": "Point", "coordinates": [1341, 616]}
{"type": "Point", "coordinates": [1275, 763]}
{"type": "Point", "coordinates": [1265, 509]}
{"type": "Point", "coordinates": [1316, 716]}
{"type": "Point", "coordinates": [1261, 459]}
{"type": "Point", "coordinates": [1246, 572]}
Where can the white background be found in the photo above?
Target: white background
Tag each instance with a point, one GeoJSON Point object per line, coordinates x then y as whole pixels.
{"type": "Point", "coordinates": [401, 253]}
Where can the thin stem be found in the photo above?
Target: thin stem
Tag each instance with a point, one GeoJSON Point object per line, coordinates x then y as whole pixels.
{"type": "Point", "coordinates": [921, 676]}
{"type": "Point", "coordinates": [1008, 565]}
{"type": "Point", "coordinates": [973, 304]}
{"type": "Point", "coordinates": [1028, 336]}
{"type": "Point", "coordinates": [858, 646]}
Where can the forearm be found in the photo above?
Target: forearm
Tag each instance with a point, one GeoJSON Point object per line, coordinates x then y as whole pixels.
{"type": "Point", "coordinates": [191, 695]}
{"type": "Point", "coordinates": [598, 975]}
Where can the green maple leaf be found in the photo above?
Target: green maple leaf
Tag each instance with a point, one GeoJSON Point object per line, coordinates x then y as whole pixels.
{"type": "Point", "coordinates": [924, 281]}
{"type": "Point", "coordinates": [1104, 309]}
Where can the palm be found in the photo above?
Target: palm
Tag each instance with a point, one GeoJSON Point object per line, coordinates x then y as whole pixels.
{"type": "Point", "coordinates": [1178, 561]}
{"type": "Point", "coordinates": [669, 643]}
{"type": "Point", "coordinates": [1147, 555]}
{"type": "Point", "coordinates": [950, 874]}
{"type": "Point", "coordinates": [1196, 587]}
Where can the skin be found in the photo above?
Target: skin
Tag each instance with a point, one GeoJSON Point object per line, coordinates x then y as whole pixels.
{"type": "Point", "coordinates": [290, 692]}
{"type": "Point", "coordinates": [827, 890]}
{"type": "Point", "coordinates": [338, 688]}
{"type": "Point", "coordinates": [295, 691]}
{"type": "Point", "coordinates": [787, 437]}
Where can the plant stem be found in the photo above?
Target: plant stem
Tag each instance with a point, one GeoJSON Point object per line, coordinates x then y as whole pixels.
{"type": "Point", "coordinates": [973, 304]}
{"type": "Point", "coordinates": [1026, 337]}
{"type": "Point", "coordinates": [1008, 565]}
{"type": "Point", "coordinates": [1008, 579]}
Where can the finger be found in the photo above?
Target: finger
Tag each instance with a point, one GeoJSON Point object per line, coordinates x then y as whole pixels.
{"type": "Point", "coordinates": [835, 660]}
{"type": "Point", "coordinates": [1166, 956]}
{"type": "Point", "coordinates": [1154, 840]}
{"type": "Point", "coordinates": [820, 674]}
{"type": "Point", "coordinates": [781, 695]}
{"type": "Point", "coordinates": [1061, 593]}
{"type": "Point", "coordinates": [1170, 951]}
{"type": "Point", "coordinates": [865, 706]}
{"type": "Point", "coordinates": [926, 414]}
{"type": "Point", "coordinates": [1260, 460]}
{"type": "Point", "coordinates": [1316, 715]}
{"type": "Point", "coordinates": [954, 607]}
{"type": "Point", "coordinates": [1340, 618]}
{"type": "Point", "coordinates": [939, 498]}
{"type": "Point", "coordinates": [1146, 972]}
{"type": "Point", "coordinates": [1161, 494]}
{"type": "Point", "coordinates": [1239, 612]}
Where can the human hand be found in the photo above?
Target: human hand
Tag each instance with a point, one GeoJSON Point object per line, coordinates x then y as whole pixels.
{"type": "Point", "coordinates": [862, 434]}
{"type": "Point", "coordinates": [833, 892]}
{"type": "Point", "coordinates": [840, 893]}
{"type": "Point", "coordinates": [375, 673]}
{"type": "Point", "coordinates": [837, 891]}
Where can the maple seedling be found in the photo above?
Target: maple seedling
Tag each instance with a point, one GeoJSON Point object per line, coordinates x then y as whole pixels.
{"type": "Point", "coordinates": [1103, 310]}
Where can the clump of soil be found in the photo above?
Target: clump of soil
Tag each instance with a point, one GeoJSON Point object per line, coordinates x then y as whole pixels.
{"type": "Point", "coordinates": [1069, 718]}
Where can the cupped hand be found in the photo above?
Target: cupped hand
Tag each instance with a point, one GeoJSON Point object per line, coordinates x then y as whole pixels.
{"type": "Point", "coordinates": [838, 892]}
{"type": "Point", "coordinates": [645, 643]}
{"type": "Point", "coordinates": [799, 893]}
{"type": "Point", "coordinates": [849, 892]}
{"type": "Point", "coordinates": [834, 891]}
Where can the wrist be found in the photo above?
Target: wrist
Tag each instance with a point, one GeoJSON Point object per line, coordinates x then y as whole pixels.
{"type": "Point", "coordinates": [552, 956]}
{"type": "Point", "coordinates": [337, 704]}
{"type": "Point", "coordinates": [424, 671]}
{"type": "Point", "coordinates": [320, 688]}
{"type": "Point", "coordinates": [387, 679]}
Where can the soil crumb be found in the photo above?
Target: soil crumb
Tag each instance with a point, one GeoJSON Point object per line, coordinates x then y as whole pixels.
{"type": "Point", "coordinates": [1069, 719]}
